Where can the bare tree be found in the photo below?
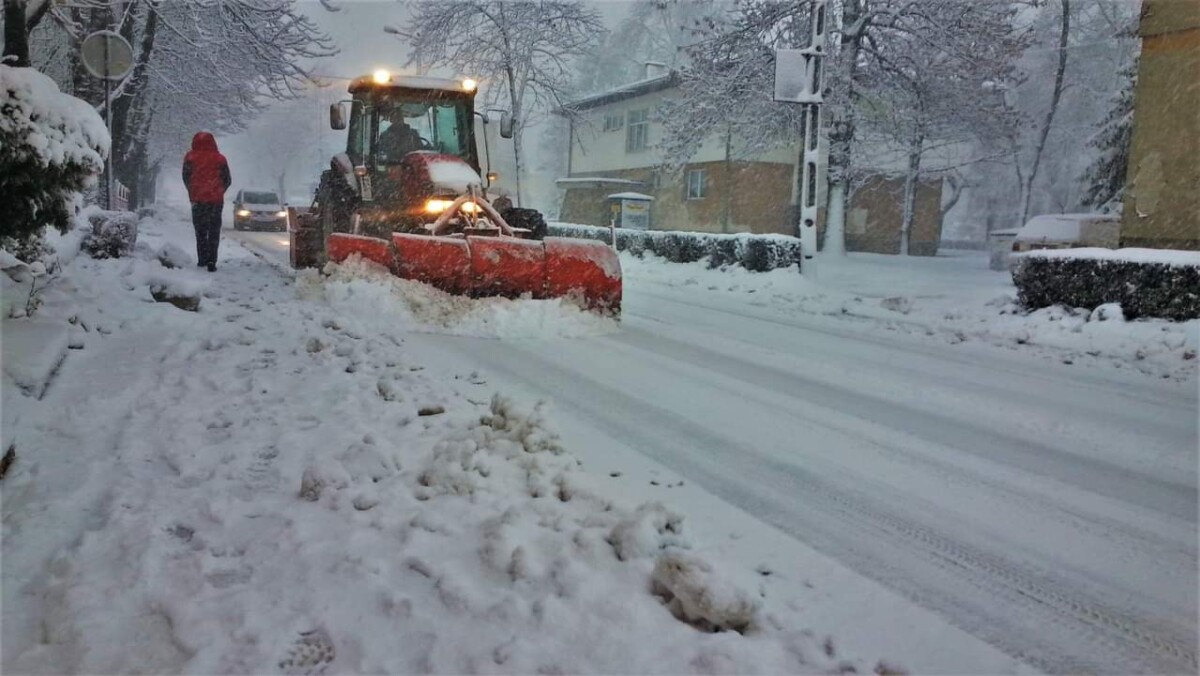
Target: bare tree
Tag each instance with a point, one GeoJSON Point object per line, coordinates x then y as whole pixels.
{"type": "Point", "coordinates": [1048, 120]}
{"type": "Point", "coordinates": [522, 51]}
{"type": "Point", "coordinates": [204, 64]}
{"type": "Point", "coordinates": [932, 81]}
{"type": "Point", "coordinates": [890, 59]}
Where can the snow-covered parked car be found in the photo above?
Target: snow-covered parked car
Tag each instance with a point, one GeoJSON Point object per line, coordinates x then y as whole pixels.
{"type": "Point", "coordinates": [1066, 231]}
{"type": "Point", "coordinates": [258, 210]}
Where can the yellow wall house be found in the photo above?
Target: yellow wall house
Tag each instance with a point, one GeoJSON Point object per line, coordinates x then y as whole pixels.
{"type": "Point", "coordinates": [614, 150]}
{"type": "Point", "coordinates": [1162, 199]}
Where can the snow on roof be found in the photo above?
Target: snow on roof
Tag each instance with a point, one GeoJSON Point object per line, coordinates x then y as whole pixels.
{"type": "Point", "coordinates": [598, 180]}
{"type": "Point", "coordinates": [630, 196]}
{"type": "Point", "coordinates": [409, 81]}
{"type": "Point", "coordinates": [626, 91]}
{"type": "Point", "coordinates": [1171, 257]}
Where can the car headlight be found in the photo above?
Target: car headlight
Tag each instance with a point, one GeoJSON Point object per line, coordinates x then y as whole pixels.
{"type": "Point", "coordinates": [436, 206]}
{"type": "Point", "coordinates": [243, 212]}
{"type": "Point", "coordinates": [281, 214]}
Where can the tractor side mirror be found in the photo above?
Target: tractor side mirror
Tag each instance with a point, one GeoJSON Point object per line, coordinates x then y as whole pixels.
{"type": "Point", "coordinates": [507, 122]}
{"type": "Point", "coordinates": [337, 118]}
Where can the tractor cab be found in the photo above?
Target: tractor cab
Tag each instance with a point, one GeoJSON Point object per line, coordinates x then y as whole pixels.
{"type": "Point", "coordinates": [392, 115]}
{"type": "Point", "coordinates": [411, 149]}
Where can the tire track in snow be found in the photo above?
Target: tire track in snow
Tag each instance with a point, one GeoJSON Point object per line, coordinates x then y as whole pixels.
{"type": "Point", "coordinates": [1019, 610]}
{"type": "Point", "coordinates": [1079, 378]}
{"type": "Point", "coordinates": [1097, 476]}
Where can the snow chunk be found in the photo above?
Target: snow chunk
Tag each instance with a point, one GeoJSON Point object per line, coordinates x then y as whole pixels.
{"type": "Point", "coordinates": [451, 173]}
{"type": "Point", "coordinates": [647, 532]}
{"type": "Point", "coordinates": [700, 595]}
{"type": "Point", "coordinates": [173, 256]}
{"type": "Point", "coordinates": [1106, 312]}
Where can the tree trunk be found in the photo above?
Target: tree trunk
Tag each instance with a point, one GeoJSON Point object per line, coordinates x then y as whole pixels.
{"type": "Point", "coordinates": [911, 183]}
{"type": "Point", "coordinates": [842, 130]}
{"type": "Point", "coordinates": [727, 193]}
{"type": "Point", "coordinates": [16, 35]}
{"type": "Point", "coordinates": [1027, 188]}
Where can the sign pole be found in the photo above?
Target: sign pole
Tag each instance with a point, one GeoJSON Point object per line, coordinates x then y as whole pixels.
{"type": "Point", "coordinates": [108, 162]}
{"type": "Point", "coordinates": [108, 56]}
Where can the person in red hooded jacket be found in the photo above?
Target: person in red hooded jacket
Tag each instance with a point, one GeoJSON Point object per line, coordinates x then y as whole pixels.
{"type": "Point", "coordinates": [206, 175]}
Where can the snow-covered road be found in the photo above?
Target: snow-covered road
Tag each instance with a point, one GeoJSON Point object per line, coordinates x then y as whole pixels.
{"type": "Point", "coordinates": [1049, 509]}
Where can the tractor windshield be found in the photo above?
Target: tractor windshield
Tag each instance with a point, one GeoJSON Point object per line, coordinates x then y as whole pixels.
{"type": "Point", "coordinates": [416, 121]}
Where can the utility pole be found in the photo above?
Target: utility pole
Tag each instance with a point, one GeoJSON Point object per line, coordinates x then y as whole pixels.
{"type": "Point", "coordinates": [799, 78]}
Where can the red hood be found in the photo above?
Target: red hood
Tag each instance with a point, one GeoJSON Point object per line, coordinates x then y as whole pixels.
{"type": "Point", "coordinates": [204, 142]}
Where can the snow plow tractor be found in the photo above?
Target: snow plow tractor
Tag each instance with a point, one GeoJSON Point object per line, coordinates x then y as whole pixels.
{"type": "Point", "coordinates": [409, 194]}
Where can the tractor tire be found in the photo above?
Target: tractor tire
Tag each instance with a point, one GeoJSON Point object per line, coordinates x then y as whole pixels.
{"type": "Point", "coordinates": [530, 219]}
{"type": "Point", "coordinates": [336, 202]}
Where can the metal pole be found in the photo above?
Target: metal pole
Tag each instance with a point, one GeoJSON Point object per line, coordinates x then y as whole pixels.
{"type": "Point", "coordinates": [108, 163]}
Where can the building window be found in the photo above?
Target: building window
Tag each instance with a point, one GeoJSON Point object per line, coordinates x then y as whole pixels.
{"type": "Point", "coordinates": [614, 121]}
{"type": "Point", "coordinates": [636, 131]}
{"type": "Point", "coordinates": [697, 184]}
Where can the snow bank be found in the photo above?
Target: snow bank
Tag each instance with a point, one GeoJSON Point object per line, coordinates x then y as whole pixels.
{"type": "Point", "coordinates": [371, 291]}
{"type": "Point", "coordinates": [945, 299]}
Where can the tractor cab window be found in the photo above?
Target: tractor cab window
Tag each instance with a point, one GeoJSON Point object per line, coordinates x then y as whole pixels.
{"type": "Point", "coordinates": [405, 126]}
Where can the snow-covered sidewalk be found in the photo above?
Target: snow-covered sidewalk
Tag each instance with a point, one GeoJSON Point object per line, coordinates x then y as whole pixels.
{"type": "Point", "coordinates": [275, 484]}
{"type": "Point", "coordinates": [949, 299]}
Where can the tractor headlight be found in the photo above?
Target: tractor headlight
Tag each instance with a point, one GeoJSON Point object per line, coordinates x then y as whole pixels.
{"type": "Point", "coordinates": [281, 214]}
{"type": "Point", "coordinates": [469, 85]}
{"type": "Point", "coordinates": [381, 76]}
{"type": "Point", "coordinates": [437, 206]}
{"type": "Point", "coordinates": [243, 212]}
{"type": "Point", "coordinates": [470, 207]}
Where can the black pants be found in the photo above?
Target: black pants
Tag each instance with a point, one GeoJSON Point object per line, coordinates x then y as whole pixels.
{"type": "Point", "coordinates": [206, 218]}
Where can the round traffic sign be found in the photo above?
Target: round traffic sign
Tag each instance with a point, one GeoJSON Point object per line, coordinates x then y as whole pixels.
{"type": "Point", "coordinates": [107, 55]}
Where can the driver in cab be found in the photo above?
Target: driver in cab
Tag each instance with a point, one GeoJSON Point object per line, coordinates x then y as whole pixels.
{"type": "Point", "coordinates": [398, 139]}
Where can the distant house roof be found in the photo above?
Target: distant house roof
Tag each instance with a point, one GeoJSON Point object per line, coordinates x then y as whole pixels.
{"type": "Point", "coordinates": [626, 91]}
{"type": "Point", "coordinates": [594, 182]}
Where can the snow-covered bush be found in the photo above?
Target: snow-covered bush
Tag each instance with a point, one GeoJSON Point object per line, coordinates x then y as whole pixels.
{"type": "Point", "coordinates": [1144, 282]}
{"type": "Point", "coordinates": [756, 253]}
{"type": "Point", "coordinates": [52, 146]}
{"type": "Point", "coordinates": [113, 234]}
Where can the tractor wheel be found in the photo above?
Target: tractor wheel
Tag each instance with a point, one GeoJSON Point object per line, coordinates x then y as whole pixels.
{"type": "Point", "coordinates": [530, 219]}
{"type": "Point", "coordinates": [336, 201]}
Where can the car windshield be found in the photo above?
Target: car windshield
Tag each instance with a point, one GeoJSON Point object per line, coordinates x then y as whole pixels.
{"type": "Point", "coordinates": [415, 124]}
{"type": "Point", "coordinates": [260, 198]}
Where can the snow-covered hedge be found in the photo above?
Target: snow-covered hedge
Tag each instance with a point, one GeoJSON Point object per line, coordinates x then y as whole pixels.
{"type": "Point", "coordinates": [113, 234]}
{"type": "Point", "coordinates": [52, 146]}
{"type": "Point", "coordinates": [757, 253]}
{"type": "Point", "coordinates": [1145, 282]}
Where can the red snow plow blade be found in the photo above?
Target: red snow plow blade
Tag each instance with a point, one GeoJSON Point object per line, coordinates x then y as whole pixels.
{"type": "Point", "coordinates": [557, 267]}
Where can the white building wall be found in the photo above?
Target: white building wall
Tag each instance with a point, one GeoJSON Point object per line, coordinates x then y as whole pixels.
{"type": "Point", "coordinates": [596, 150]}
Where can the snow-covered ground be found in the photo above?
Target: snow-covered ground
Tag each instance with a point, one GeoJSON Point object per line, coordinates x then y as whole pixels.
{"type": "Point", "coordinates": [354, 474]}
